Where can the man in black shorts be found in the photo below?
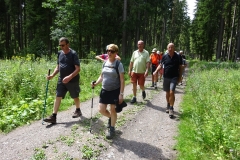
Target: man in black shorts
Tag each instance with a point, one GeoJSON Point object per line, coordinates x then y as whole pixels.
{"type": "Point", "coordinates": [68, 66]}
{"type": "Point", "coordinates": [172, 75]}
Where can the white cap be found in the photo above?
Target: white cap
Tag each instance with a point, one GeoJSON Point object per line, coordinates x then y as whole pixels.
{"type": "Point", "coordinates": [154, 50]}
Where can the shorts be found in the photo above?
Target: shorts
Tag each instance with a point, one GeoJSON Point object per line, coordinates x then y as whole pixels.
{"type": "Point", "coordinates": [109, 97]}
{"type": "Point", "coordinates": [170, 84]}
{"type": "Point", "coordinates": [72, 87]}
{"type": "Point", "coordinates": [138, 78]}
{"type": "Point", "coordinates": [154, 67]}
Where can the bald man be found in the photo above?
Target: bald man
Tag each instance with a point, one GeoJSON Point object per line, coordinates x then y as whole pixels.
{"type": "Point", "coordinates": [172, 63]}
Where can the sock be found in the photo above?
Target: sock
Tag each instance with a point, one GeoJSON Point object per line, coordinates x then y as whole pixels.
{"type": "Point", "coordinates": [54, 115]}
{"type": "Point", "coordinates": [168, 104]}
{"type": "Point", "coordinates": [112, 128]}
{"type": "Point", "coordinates": [78, 109]}
{"type": "Point", "coordinates": [171, 107]}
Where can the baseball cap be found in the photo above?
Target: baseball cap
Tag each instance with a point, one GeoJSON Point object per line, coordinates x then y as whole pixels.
{"type": "Point", "coordinates": [154, 50]}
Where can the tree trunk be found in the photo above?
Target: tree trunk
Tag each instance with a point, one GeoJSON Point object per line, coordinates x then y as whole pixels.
{"type": "Point", "coordinates": [232, 30]}
{"type": "Point", "coordinates": [220, 37]}
{"type": "Point", "coordinates": [124, 29]}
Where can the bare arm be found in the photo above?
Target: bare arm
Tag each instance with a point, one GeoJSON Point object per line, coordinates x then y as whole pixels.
{"type": "Point", "coordinates": [157, 69]}
{"type": "Point", "coordinates": [99, 80]}
{"type": "Point", "coordinates": [56, 70]}
{"type": "Point", "coordinates": [99, 57]}
{"type": "Point", "coordinates": [122, 84]}
{"type": "Point", "coordinates": [72, 75]}
{"type": "Point", "coordinates": [130, 68]}
{"type": "Point", "coordinates": [147, 69]}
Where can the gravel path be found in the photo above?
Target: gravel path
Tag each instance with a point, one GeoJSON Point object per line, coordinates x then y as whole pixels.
{"type": "Point", "coordinates": [146, 132]}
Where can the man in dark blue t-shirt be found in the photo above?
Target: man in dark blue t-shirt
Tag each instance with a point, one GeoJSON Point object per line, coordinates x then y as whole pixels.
{"type": "Point", "coordinates": [68, 66]}
{"type": "Point", "coordinates": [172, 64]}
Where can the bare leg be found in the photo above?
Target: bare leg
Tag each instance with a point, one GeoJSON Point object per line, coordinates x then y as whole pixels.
{"type": "Point", "coordinates": [172, 98]}
{"type": "Point", "coordinates": [142, 87]}
{"type": "Point", "coordinates": [77, 102]}
{"type": "Point", "coordinates": [113, 115]}
{"type": "Point", "coordinates": [134, 89]}
{"type": "Point", "coordinates": [103, 110]}
{"type": "Point", "coordinates": [57, 103]}
{"type": "Point", "coordinates": [168, 96]}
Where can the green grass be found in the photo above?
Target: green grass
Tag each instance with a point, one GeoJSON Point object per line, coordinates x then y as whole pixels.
{"type": "Point", "coordinates": [23, 89]}
{"type": "Point", "coordinates": [210, 122]}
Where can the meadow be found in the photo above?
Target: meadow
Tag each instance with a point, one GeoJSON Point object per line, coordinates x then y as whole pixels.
{"type": "Point", "coordinates": [23, 89]}
{"type": "Point", "coordinates": [210, 122]}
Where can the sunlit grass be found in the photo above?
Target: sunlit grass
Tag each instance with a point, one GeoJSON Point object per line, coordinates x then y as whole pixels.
{"type": "Point", "coordinates": [210, 121]}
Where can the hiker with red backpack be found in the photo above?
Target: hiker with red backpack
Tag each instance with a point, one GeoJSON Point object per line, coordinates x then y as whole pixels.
{"type": "Point", "coordinates": [104, 57]}
{"type": "Point", "coordinates": [154, 59]}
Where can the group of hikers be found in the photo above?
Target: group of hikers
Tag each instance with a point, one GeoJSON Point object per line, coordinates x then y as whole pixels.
{"type": "Point", "coordinates": [170, 66]}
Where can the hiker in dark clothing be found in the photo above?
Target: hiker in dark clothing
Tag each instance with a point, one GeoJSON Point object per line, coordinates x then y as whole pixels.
{"type": "Point", "coordinates": [172, 75]}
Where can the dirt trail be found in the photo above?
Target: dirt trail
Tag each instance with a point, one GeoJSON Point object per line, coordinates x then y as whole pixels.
{"type": "Point", "coordinates": [148, 132]}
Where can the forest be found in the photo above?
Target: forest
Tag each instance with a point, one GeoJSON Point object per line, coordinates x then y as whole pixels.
{"type": "Point", "coordinates": [34, 27]}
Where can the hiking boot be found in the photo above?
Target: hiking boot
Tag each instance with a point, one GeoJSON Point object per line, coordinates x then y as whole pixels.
{"type": "Point", "coordinates": [143, 94]}
{"type": "Point", "coordinates": [111, 133]}
{"type": "Point", "coordinates": [155, 86]}
{"type": "Point", "coordinates": [109, 123]}
{"type": "Point", "coordinates": [134, 100]}
{"type": "Point", "coordinates": [167, 110]}
{"type": "Point", "coordinates": [77, 113]}
{"type": "Point", "coordinates": [171, 112]}
{"type": "Point", "coordinates": [52, 119]}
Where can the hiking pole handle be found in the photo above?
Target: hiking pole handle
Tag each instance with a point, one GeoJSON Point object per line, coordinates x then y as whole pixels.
{"type": "Point", "coordinates": [93, 83]}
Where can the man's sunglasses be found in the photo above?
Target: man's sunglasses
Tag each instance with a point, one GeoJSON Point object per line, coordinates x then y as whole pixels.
{"type": "Point", "coordinates": [61, 45]}
{"type": "Point", "coordinates": [111, 51]}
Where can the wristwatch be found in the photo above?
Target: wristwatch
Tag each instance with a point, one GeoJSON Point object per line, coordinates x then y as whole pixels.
{"type": "Point", "coordinates": [121, 94]}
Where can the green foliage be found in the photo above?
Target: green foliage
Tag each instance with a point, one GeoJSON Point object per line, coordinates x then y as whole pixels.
{"type": "Point", "coordinates": [23, 89]}
{"type": "Point", "coordinates": [39, 154]}
{"type": "Point", "coordinates": [210, 122]}
{"type": "Point", "coordinates": [87, 152]}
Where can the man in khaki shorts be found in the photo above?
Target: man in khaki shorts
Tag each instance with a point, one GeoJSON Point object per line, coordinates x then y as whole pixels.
{"type": "Point", "coordinates": [138, 69]}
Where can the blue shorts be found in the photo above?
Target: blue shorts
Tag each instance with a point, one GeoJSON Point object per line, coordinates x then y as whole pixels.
{"type": "Point", "coordinates": [170, 84]}
{"type": "Point", "coordinates": [109, 97]}
{"type": "Point", "coordinates": [72, 87]}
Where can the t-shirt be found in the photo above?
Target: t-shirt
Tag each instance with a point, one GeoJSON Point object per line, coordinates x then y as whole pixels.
{"type": "Point", "coordinates": [111, 81]}
{"type": "Point", "coordinates": [155, 58]}
{"type": "Point", "coordinates": [171, 65]}
{"type": "Point", "coordinates": [140, 60]}
{"type": "Point", "coordinates": [67, 64]}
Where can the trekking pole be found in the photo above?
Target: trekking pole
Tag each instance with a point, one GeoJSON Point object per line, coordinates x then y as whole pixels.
{"type": "Point", "coordinates": [92, 107]}
{"type": "Point", "coordinates": [45, 101]}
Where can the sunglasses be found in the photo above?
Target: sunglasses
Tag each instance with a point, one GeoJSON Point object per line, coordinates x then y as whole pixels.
{"type": "Point", "coordinates": [61, 45]}
{"type": "Point", "coordinates": [111, 51]}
